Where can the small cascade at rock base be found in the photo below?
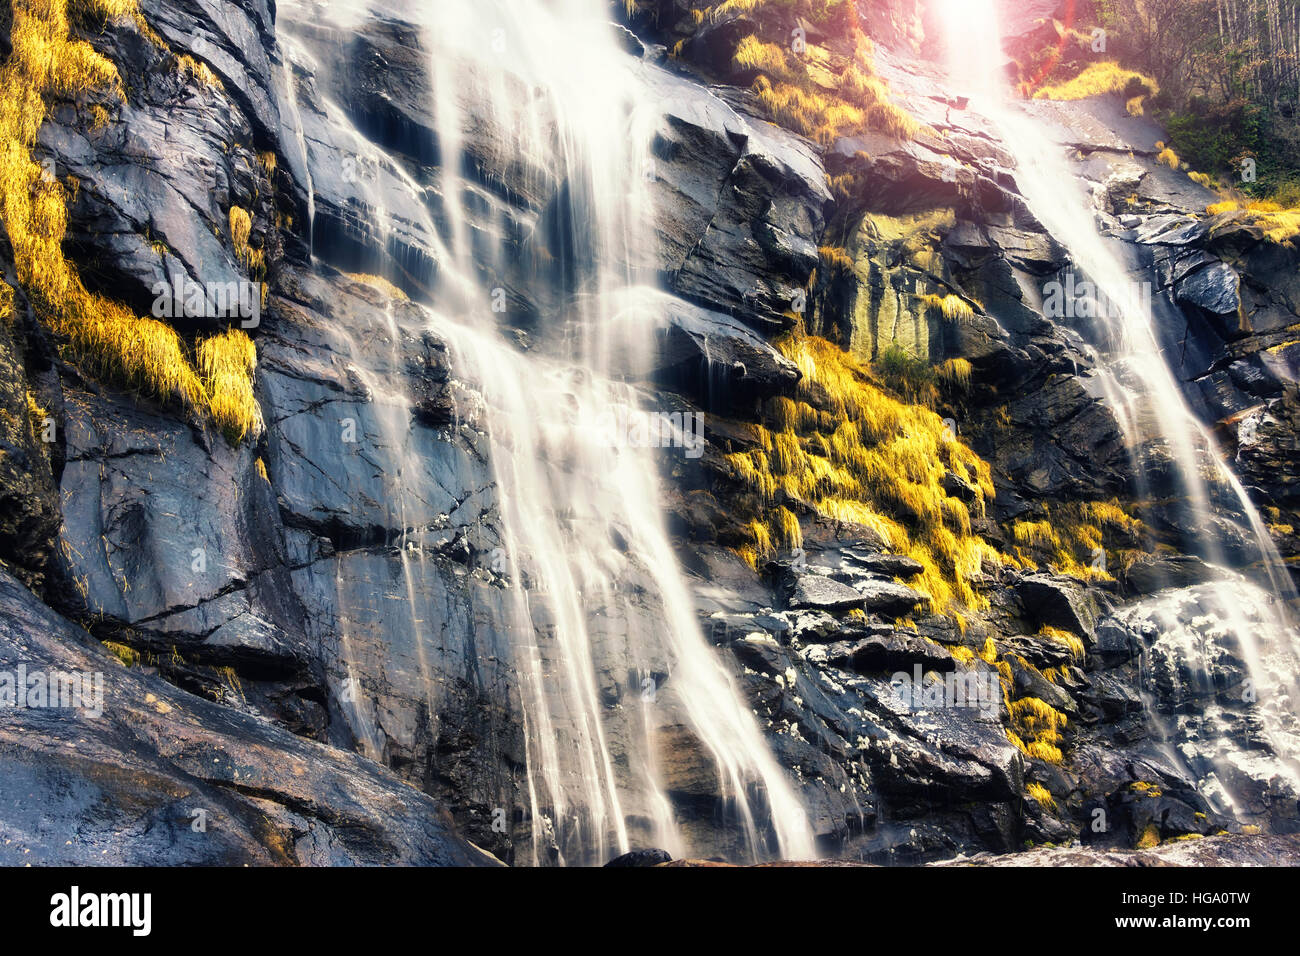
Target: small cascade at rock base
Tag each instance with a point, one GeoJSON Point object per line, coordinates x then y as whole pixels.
{"type": "Point", "coordinates": [1245, 615]}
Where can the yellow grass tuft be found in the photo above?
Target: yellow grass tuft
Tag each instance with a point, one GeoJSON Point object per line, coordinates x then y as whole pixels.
{"type": "Point", "coordinates": [1035, 726]}
{"type": "Point", "coordinates": [853, 454]}
{"type": "Point", "coordinates": [190, 67]}
{"type": "Point", "coordinates": [129, 656]}
{"type": "Point", "coordinates": [1103, 78]}
{"type": "Point", "coordinates": [787, 524]}
{"type": "Point", "coordinates": [112, 343]}
{"type": "Point", "coordinates": [1150, 837]}
{"type": "Point", "coordinates": [753, 54]}
{"type": "Point", "coordinates": [1073, 642]}
{"type": "Point", "coordinates": [1070, 535]}
{"type": "Point", "coordinates": [1035, 533]}
{"type": "Point", "coordinates": [956, 372]}
{"type": "Point", "coordinates": [1169, 158]}
{"type": "Point", "coordinates": [37, 416]}
{"type": "Point", "coordinates": [739, 6]}
{"type": "Point", "coordinates": [241, 227]}
{"type": "Point", "coordinates": [836, 257]}
{"type": "Point", "coordinates": [1035, 715]}
{"type": "Point", "coordinates": [809, 112]}
{"type": "Point", "coordinates": [856, 101]}
{"type": "Point", "coordinates": [107, 9]}
{"type": "Point", "coordinates": [1280, 225]}
{"type": "Point", "coordinates": [380, 283]}
{"type": "Point", "coordinates": [1111, 514]}
{"type": "Point", "coordinates": [1042, 795]}
{"type": "Point", "coordinates": [963, 655]}
{"type": "Point", "coordinates": [1048, 753]}
{"type": "Point", "coordinates": [952, 307]}
{"type": "Point", "coordinates": [226, 362]}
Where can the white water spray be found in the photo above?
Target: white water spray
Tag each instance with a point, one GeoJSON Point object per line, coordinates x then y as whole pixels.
{"type": "Point", "coordinates": [614, 670]}
{"type": "Point", "coordinates": [1138, 382]}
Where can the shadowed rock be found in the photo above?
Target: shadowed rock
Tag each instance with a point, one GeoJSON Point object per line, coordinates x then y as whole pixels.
{"type": "Point", "coordinates": [157, 761]}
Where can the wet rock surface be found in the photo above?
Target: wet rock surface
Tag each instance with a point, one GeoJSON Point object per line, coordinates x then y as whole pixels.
{"type": "Point", "coordinates": [284, 679]}
{"type": "Point", "coordinates": [1214, 851]}
{"type": "Point", "coordinates": [194, 782]}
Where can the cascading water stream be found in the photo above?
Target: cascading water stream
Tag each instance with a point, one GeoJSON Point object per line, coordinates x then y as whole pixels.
{"type": "Point", "coordinates": [1137, 382]}
{"type": "Point", "coordinates": [595, 592]}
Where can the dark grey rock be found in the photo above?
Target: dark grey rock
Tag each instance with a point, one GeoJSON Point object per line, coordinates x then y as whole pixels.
{"type": "Point", "coordinates": [29, 504]}
{"type": "Point", "coordinates": [1058, 602]}
{"type": "Point", "coordinates": [1216, 290]}
{"type": "Point", "coordinates": [740, 206]}
{"type": "Point", "coordinates": [157, 757]}
{"type": "Point", "coordinates": [711, 357]}
{"type": "Point", "coordinates": [814, 592]}
{"type": "Point", "coordinates": [888, 654]}
{"type": "Point", "coordinates": [640, 858]}
{"type": "Point", "coordinates": [1152, 573]}
{"type": "Point", "coordinates": [893, 565]}
{"type": "Point", "coordinates": [888, 598]}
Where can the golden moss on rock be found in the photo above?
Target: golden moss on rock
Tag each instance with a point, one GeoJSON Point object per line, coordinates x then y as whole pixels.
{"type": "Point", "coordinates": [1150, 837]}
{"type": "Point", "coordinates": [1070, 538]}
{"type": "Point", "coordinates": [1102, 78]}
{"type": "Point", "coordinates": [821, 95]}
{"type": "Point", "coordinates": [876, 282]}
{"type": "Point", "coordinates": [952, 307]}
{"type": "Point", "coordinates": [1041, 795]}
{"type": "Point", "coordinates": [241, 228]}
{"type": "Point", "coordinates": [1036, 726]}
{"type": "Point", "coordinates": [105, 337]}
{"type": "Point", "coordinates": [226, 362]}
{"type": "Point", "coordinates": [1280, 225]}
{"type": "Point", "coordinates": [853, 454]}
{"type": "Point", "coordinates": [1072, 641]}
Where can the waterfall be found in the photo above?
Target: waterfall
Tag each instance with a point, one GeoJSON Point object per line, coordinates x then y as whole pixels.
{"type": "Point", "coordinates": [534, 98]}
{"type": "Point", "coordinates": [1137, 382]}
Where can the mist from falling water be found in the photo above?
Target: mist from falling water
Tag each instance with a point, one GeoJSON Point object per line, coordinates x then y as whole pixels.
{"type": "Point", "coordinates": [1136, 380]}
{"type": "Point", "coordinates": [594, 586]}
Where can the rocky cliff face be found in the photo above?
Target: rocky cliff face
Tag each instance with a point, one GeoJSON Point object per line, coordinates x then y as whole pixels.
{"type": "Point", "coordinates": [326, 695]}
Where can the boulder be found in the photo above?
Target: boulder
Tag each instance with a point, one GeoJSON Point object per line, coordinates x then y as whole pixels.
{"type": "Point", "coordinates": [1058, 602]}
{"type": "Point", "coordinates": [1151, 573]}
{"type": "Point", "coordinates": [1216, 291]}
{"type": "Point", "coordinates": [897, 652]}
{"type": "Point", "coordinates": [139, 756]}
{"type": "Point", "coordinates": [817, 593]}
{"type": "Point", "coordinates": [641, 858]}
{"type": "Point", "coordinates": [893, 565]}
{"type": "Point", "coordinates": [888, 598]}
